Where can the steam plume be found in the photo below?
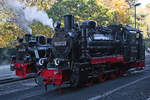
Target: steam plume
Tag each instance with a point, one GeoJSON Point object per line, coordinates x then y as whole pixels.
{"type": "Point", "coordinates": [32, 13]}
{"type": "Point", "coordinates": [24, 16]}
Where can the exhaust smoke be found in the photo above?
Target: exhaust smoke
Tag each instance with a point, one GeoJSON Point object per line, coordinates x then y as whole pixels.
{"type": "Point", "coordinates": [24, 16]}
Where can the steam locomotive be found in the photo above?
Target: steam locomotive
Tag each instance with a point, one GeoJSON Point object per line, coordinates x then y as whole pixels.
{"type": "Point", "coordinates": [80, 53]}
{"type": "Point", "coordinates": [85, 52]}
{"type": "Point", "coordinates": [32, 54]}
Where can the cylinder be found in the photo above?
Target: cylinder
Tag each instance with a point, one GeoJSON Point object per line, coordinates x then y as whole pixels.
{"type": "Point", "coordinates": [68, 22]}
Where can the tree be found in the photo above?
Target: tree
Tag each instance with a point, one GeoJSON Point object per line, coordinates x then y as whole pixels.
{"type": "Point", "coordinates": [148, 5]}
{"type": "Point", "coordinates": [9, 30]}
{"type": "Point", "coordinates": [119, 10]}
{"type": "Point", "coordinates": [91, 10]}
{"type": "Point", "coordinates": [105, 12]}
{"type": "Point", "coordinates": [41, 4]}
{"type": "Point", "coordinates": [8, 34]}
{"type": "Point", "coordinates": [38, 28]}
{"type": "Point", "coordinates": [131, 2]}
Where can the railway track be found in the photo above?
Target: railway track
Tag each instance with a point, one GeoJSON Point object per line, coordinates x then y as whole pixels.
{"type": "Point", "coordinates": [25, 89]}
{"type": "Point", "coordinates": [9, 80]}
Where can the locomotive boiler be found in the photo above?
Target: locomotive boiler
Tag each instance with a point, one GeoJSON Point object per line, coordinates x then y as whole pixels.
{"type": "Point", "coordinates": [32, 54]}
{"type": "Point", "coordinates": [81, 53]}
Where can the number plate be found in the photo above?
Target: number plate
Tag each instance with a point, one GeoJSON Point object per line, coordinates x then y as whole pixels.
{"type": "Point", "coordinates": [62, 43]}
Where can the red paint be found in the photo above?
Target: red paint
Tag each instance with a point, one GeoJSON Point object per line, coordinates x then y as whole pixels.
{"type": "Point", "coordinates": [142, 64]}
{"type": "Point", "coordinates": [65, 76]}
{"type": "Point", "coordinates": [112, 76]}
{"type": "Point", "coordinates": [52, 76]}
{"type": "Point", "coordinates": [110, 59]}
{"type": "Point", "coordinates": [22, 69]}
{"type": "Point", "coordinates": [101, 77]}
{"type": "Point", "coordinates": [137, 64]}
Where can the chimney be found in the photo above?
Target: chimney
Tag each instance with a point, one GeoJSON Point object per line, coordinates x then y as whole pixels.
{"type": "Point", "coordinates": [68, 22]}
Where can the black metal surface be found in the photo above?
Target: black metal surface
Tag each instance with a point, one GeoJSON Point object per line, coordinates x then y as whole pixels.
{"type": "Point", "coordinates": [68, 22]}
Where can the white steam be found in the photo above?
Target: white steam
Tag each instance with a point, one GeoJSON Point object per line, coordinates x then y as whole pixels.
{"type": "Point", "coordinates": [24, 16]}
{"type": "Point", "coordinates": [32, 13]}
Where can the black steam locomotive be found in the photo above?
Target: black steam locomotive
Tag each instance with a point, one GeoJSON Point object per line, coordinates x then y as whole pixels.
{"type": "Point", "coordinates": [81, 53]}
{"type": "Point", "coordinates": [78, 54]}
{"type": "Point", "coordinates": [32, 54]}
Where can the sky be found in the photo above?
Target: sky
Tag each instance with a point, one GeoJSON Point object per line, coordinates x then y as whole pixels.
{"type": "Point", "coordinates": [144, 2]}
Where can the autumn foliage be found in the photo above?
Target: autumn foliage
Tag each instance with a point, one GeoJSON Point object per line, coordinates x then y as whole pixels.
{"type": "Point", "coordinates": [105, 12]}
